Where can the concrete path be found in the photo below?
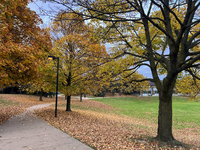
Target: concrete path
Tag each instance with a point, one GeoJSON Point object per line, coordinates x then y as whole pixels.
{"type": "Point", "coordinates": [26, 132]}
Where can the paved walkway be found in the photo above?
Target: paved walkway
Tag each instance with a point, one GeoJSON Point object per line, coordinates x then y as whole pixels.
{"type": "Point", "coordinates": [26, 132]}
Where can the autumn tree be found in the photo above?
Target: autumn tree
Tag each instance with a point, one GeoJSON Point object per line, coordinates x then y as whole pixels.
{"type": "Point", "coordinates": [78, 51]}
{"type": "Point", "coordinates": [172, 47]}
{"type": "Point", "coordinates": [23, 43]}
{"type": "Point", "coordinates": [188, 85]}
{"type": "Point", "coordinates": [45, 81]}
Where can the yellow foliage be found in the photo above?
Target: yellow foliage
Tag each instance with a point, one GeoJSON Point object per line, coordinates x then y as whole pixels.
{"type": "Point", "coordinates": [188, 86]}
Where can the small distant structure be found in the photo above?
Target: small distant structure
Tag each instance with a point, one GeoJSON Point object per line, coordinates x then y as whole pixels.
{"type": "Point", "coordinates": [151, 91]}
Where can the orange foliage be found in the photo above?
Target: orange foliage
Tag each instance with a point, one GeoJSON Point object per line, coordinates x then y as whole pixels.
{"type": "Point", "coordinates": [23, 42]}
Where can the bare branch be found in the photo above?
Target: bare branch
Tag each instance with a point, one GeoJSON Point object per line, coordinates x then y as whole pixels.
{"type": "Point", "coordinates": [187, 65]}
{"type": "Point", "coordinates": [194, 53]}
{"type": "Point", "coordinates": [194, 44]}
{"type": "Point", "coordinates": [193, 37]}
{"type": "Point", "coordinates": [193, 75]}
{"type": "Point", "coordinates": [179, 21]}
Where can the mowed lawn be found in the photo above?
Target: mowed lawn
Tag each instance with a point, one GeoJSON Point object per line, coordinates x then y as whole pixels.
{"type": "Point", "coordinates": [186, 113]}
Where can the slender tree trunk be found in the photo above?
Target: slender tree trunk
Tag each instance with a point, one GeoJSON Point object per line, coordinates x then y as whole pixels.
{"type": "Point", "coordinates": [165, 119]}
{"type": "Point", "coordinates": [41, 94]}
{"type": "Point", "coordinates": [12, 89]}
{"type": "Point", "coordinates": [68, 108]}
{"type": "Point", "coordinates": [81, 97]}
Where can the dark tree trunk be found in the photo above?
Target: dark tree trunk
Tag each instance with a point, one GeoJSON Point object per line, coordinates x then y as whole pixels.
{"type": "Point", "coordinates": [12, 89]}
{"type": "Point", "coordinates": [41, 92]}
{"type": "Point", "coordinates": [68, 108]}
{"type": "Point", "coordinates": [50, 94]}
{"type": "Point", "coordinates": [165, 119]}
{"type": "Point", "coordinates": [81, 97]}
{"type": "Point", "coordinates": [165, 110]}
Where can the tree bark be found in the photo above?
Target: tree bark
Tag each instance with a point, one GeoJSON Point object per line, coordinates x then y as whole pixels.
{"type": "Point", "coordinates": [69, 78]}
{"type": "Point", "coordinates": [165, 119]}
{"type": "Point", "coordinates": [164, 132]}
{"type": "Point", "coordinates": [68, 108]}
{"type": "Point", "coordinates": [81, 97]}
{"type": "Point", "coordinates": [12, 89]}
{"type": "Point", "coordinates": [41, 94]}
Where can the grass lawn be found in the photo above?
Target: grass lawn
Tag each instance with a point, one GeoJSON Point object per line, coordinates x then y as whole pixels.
{"type": "Point", "coordinates": [185, 113]}
{"type": "Point", "coordinates": [7, 103]}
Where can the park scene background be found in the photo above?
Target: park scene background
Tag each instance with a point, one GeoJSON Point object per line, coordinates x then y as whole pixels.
{"type": "Point", "coordinates": [103, 49]}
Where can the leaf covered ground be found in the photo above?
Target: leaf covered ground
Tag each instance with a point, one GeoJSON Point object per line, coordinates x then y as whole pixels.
{"type": "Point", "coordinates": [12, 104]}
{"type": "Point", "coordinates": [93, 123]}
{"type": "Point", "coordinates": [90, 123]}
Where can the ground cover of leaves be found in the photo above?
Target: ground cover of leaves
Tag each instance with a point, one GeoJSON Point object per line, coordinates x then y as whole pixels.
{"type": "Point", "coordinates": [112, 132]}
{"type": "Point", "coordinates": [13, 104]}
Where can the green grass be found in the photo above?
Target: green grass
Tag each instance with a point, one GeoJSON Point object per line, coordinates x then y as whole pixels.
{"type": "Point", "coordinates": [185, 113]}
{"type": "Point", "coordinates": [7, 103]}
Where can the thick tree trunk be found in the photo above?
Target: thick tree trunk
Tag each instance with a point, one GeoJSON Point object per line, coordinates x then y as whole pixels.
{"type": "Point", "coordinates": [68, 108]}
{"type": "Point", "coordinates": [165, 119]}
{"type": "Point", "coordinates": [165, 110]}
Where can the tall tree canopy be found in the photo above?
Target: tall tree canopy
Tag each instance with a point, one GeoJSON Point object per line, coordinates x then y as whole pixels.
{"type": "Point", "coordinates": [163, 35]}
{"type": "Point", "coordinates": [78, 52]}
{"type": "Point", "coordinates": [22, 42]}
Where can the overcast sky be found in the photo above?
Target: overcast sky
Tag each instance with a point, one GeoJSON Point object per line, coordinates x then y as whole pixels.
{"type": "Point", "coordinates": [35, 6]}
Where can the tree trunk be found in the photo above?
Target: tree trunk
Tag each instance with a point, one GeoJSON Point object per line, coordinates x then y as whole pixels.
{"type": "Point", "coordinates": [41, 94]}
{"type": "Point", "coordinates": [68, 108]}
{"type": "Point", "coordinates": [12, 89]}
{"type": "Point", "coordinates": [165, 119]}
{"type": "Point", "coordinates": [164, 132]}
{"type": "Point", "coordinates": [68, 105]}
{"type": "Point", "coordinates": [81, 97]}
{"type": "Point", "coordinates": [165, 110]}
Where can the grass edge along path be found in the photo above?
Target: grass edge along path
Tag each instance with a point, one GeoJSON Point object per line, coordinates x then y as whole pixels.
{"type": "Point", "coordinates": [104, 131]}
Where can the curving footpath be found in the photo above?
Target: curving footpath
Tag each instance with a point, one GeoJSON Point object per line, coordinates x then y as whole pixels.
{"type": "Point", "coordinates": [26, 132]}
